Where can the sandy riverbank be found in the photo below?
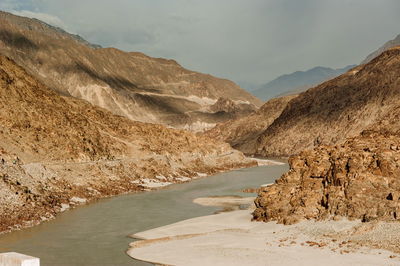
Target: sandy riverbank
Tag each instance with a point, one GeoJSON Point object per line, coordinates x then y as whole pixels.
{"type": "Point", "coordinates": [232, 239]}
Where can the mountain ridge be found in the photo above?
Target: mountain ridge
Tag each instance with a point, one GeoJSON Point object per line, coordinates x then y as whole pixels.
{"type": "Point", "coordinates": [390, 44]}
{"type": "Point", "coordinates": [298, 81]}
{"type": "Point", "coordinates": [56, 149]}
{"type": "Point", "coordinates": [131, 84]}
{"type": "Point", "coordinates": [337, 109]}
{"type": "Point", "coordinates": [343, 137]}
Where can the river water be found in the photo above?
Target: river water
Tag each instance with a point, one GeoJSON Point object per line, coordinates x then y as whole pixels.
{"type": "Point", "coordinates": [97, 234]}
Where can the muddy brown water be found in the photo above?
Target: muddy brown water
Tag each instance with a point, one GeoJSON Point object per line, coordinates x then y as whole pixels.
{"type": "Point", "coordinates": [98, 233]}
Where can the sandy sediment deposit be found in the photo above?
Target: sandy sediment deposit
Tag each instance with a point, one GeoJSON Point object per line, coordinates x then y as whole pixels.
{"type": "Point", "coordinates": [266, 162]}
{"type": "Point", "coordinates": [224, 201]}
{"type": "Point", "coordinates": [232, 239]}
{"type": "Point", "coordinates": [228, 203]}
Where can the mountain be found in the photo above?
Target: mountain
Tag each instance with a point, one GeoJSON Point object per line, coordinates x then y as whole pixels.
{"type": "Point", "coordinates": [242, 133]}
{"type": "Point", "coordinates": [131, 84]}
{"type": "Point", "coordinates": [297, 82]}
{"type": "Point", "coordinates": [58, 151]}
{"type": "Point", "coordinates": [337, 109]}
{"type": "Point", "coordinates": [390, 44]}
{"type": "Point", "coordinates": [345, 135]}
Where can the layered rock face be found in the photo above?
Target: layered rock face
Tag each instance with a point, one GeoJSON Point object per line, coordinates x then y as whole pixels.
{"type": "Point", "coordinates": [58, 151]}
{"type": "Point", "coordinates": [242, 133]}
{"type": "Point", "coordinates": [359, 180]}
{"type": "Point", "coordinates": [336, 110]}
{"type": "Point", "coordinates": [129, 84]}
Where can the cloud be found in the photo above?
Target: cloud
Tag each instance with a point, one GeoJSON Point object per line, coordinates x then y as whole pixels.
{"type": "Point", "coordinates": [250, 41]}
{"type": "Point", "coordinates": [49, 19]}
{"type": "Point", "coordinates": [8, 5]}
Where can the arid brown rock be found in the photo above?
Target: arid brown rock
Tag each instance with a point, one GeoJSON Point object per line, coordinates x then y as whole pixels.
{"type": "Point", "coordinates": [242, 133]}
{"type": "Point", "coordinates": [338, 109]}
{"type": "Point", "coordinates": [129, 84]}
{"type": "Point", "coordinates": [58, 151]}
{"type": "Point", "coordinates": [359, 179]}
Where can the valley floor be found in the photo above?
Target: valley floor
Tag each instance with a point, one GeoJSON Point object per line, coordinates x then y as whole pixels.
{"type": "Point", "coordinates": [232, 239]}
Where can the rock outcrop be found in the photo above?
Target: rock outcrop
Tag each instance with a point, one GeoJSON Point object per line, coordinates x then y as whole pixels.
{"type": "Point", "coordinates": [242, 133]}
{"type": "Point", "coordinates": [349, 132]}
{"type": "Point", "coordinates": [59, 151]}
{"type": "Point", "coordinates": [358, 180]}
{"type": "Point", "coordinates": [133, 85]}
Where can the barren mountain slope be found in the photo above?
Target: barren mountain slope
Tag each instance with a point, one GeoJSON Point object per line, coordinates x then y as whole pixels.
{"type": "Point", "coordinates": [337, 109]}
{"type": "Point", "coordinates": [243, 132]}
{"type": "Point", "coordinates": [130, 84]}
{"type": "Point", "coordinates": [357, 178]}
{"type": "Point", "coordinates": [57, 151]}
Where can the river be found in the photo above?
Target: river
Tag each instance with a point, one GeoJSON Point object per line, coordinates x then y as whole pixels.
{"type": "Point", "coordinates": [97, 233]}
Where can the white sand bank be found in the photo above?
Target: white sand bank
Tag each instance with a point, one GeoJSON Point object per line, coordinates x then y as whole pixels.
{"type": "Point", "coordinates": [232, 239]}
{"type": "Point", "coordinates": [264, 162]}
{"type": "Point", "coordinates": [224, 201]}
{"type": "Point", "coordinates": [151, 183]}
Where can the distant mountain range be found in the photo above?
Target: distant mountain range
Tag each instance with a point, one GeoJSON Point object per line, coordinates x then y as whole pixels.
{"type": "Point", "coordinates": [328, 113]}
{"type": "Point", "coordinates": [387, 45]}
{"type": "Point", "coordinates": [300, 81]}
{"type": "Point", "coordinates": [297, 82]}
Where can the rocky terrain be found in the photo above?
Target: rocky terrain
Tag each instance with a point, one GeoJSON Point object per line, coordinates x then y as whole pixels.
{"type": "Point", "coordinates": [327, 114]}
{"type": "Point", "coordinates": [242, 133]}
{"type": "Point", "coordinates": [58, 151]}
{"type": "Point", "coordinates": [338, 109]}
{"type": "Point", "coordinates": [357, 176]}
{"type": "Point", "coordinates": [132, 84]}
{"type": "Point", "coordinates": [358, 180]}
{"type": "Point", "coordinates": [324, 114]}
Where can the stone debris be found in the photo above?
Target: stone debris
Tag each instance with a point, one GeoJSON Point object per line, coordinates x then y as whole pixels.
{"type": "Point", "coordinates": [358, 180]}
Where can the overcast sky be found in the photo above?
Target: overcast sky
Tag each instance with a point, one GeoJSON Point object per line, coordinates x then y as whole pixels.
{"type": "Point", "coordinates": [249, 41]}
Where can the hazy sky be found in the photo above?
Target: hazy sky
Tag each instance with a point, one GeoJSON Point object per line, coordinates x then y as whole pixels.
{"type": "Point", "coordinates": [250, 41]}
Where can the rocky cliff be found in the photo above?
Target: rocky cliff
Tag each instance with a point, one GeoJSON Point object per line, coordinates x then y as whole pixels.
{"type": "Point", "coordinates": [58, 151]}
{"type": "Point", "coordinates": [242, 133]}
{"type": "Point", "coordinates": [358, 180]}
{"type": "Point", "coordinates": [133, 85]}
{"type": "Point", "coordinates": [357, 176]}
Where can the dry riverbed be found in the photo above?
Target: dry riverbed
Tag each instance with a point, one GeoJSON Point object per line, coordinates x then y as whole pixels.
{"type": "Point", "coordinates": [230, 238]}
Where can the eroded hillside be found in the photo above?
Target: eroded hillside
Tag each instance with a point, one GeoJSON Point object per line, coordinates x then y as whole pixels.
{"type": "Point", "coordinates": [134, 85]}
{"type": "Point", "coordinates": [58, 151]}
{"type": "Point", "coordinates": [338, 109]}
{"type": "Point", "coordinates": [242, 133]}
{"type": "Point", "coordinates": [358, 176]}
